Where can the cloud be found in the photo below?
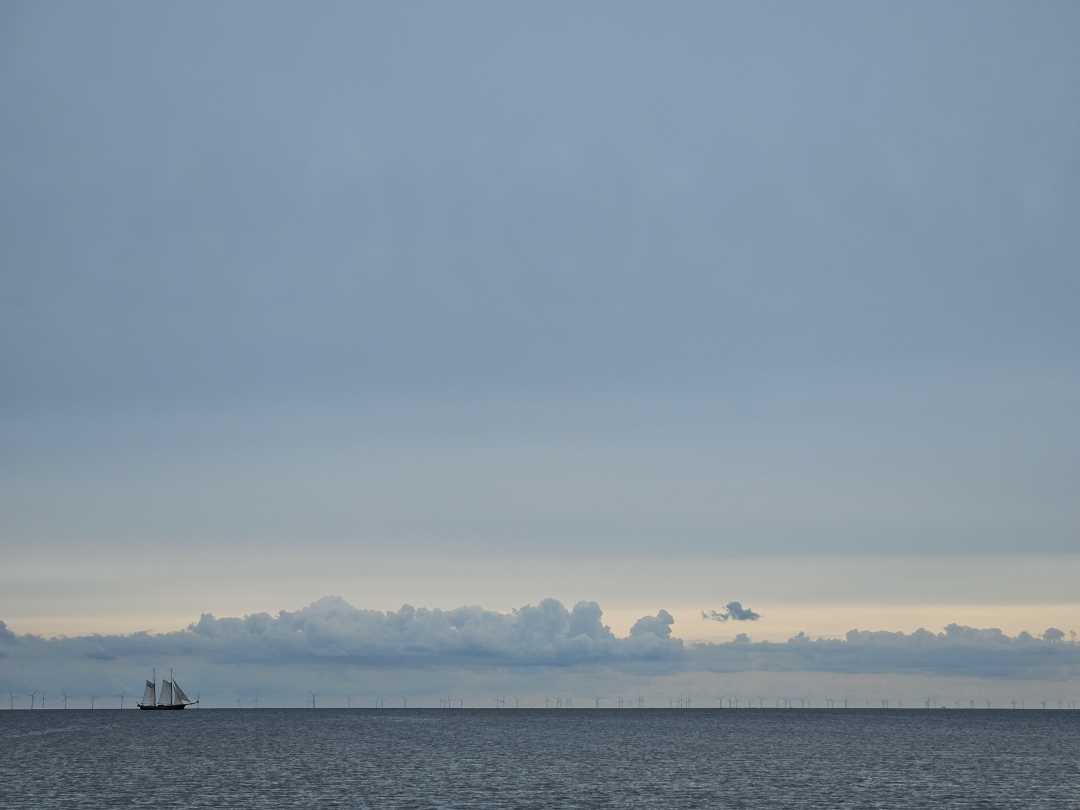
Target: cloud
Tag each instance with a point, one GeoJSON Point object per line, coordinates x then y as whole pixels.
{"type": "Point", "coordinates": [956, 650]}
{"type": "Point", "coordinates": [331, 629]}
{"type": "Point", "coordinates": [733, 611]}
{"type": "Point", "coordinates": [658, 626]}
{"type": "Point", "coordinates": [544, 644]}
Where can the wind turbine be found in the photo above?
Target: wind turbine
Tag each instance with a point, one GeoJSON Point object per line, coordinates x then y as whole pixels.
{"type": "Point", "coordinates": [32, 696]}
{"type": "Point", "coordinates": [65, 699]}
{"type": "Point", "coordinates": [313, 700]}
{"type": "Point", "coordinates": [122, 696]}
{"type": "Point", "coordinates": [92, 699]}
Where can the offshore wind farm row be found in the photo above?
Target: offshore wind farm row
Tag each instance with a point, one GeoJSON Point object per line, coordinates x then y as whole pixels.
{"type": "Point", "coordinates": [40, 700]}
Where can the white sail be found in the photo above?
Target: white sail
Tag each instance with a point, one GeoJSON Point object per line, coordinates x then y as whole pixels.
{"type": "Point", "coordinates": [166, 693]}
{"type": "Point", "coordinates": [149, 696]}
{"type": "Point", "coordinates": [179, 696]}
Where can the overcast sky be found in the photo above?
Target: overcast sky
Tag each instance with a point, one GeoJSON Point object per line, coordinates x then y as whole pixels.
{"type": "Point", "coordinates": [478, 303]}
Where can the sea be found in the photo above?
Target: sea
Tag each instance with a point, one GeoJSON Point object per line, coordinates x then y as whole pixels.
{"type": "Point", "coordinates": [583, 758]}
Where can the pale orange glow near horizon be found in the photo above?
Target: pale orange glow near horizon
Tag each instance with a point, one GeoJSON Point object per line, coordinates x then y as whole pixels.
{"type": "Point", "coordinates": [779, 622]}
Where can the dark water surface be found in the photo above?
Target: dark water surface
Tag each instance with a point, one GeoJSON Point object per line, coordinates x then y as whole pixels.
{"type": "Point", "coordinates": [534, 758]}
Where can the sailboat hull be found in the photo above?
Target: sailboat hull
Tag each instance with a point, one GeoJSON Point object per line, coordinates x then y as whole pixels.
{"type": "Point", "coordinates": [171, 695]}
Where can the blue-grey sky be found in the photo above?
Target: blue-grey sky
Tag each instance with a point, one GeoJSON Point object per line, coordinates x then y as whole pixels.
{"type": "Point", "coordinates": [393, 286]}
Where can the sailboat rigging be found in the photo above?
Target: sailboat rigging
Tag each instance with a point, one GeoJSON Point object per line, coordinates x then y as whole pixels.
{"type": "Point", "coordinates": [172, 695]}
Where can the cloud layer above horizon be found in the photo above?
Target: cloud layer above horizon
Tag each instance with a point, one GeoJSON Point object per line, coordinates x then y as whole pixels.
{"type": "Point", "coordinates": [332, 635]}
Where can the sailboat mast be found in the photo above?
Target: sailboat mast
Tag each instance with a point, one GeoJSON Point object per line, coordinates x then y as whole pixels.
{"type": "Point", "coordinates": [175, 699]}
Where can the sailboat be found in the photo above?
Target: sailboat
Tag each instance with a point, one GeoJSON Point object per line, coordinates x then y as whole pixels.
{"type": "Point", "coordinates": [172, 696]}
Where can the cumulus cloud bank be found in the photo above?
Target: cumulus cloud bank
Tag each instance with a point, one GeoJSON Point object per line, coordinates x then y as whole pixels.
{"type": "Point", "coordinates": [331, 636]}
{"type": "Point", "coordinates": [957, 650]}
{"type": "Point", "coordinates": [733, 611]}
{"type": "Point", "coordinates": [545, 634]}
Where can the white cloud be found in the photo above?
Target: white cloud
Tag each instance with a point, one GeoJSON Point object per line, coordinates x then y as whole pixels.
{"type": "Point", "coordinates": [332, 640]}
{"type": "Point", "coordinates": [544, 634]}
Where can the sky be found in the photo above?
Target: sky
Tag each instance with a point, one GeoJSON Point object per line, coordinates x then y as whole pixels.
{"type": "Point", "coordinates": [479, 304]}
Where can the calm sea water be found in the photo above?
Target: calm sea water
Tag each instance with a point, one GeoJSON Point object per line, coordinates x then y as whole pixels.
{"type": "Point", "coordinates": [331, 758]}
